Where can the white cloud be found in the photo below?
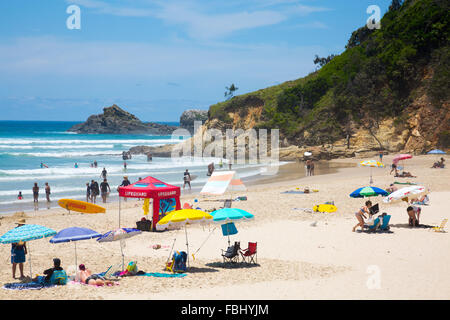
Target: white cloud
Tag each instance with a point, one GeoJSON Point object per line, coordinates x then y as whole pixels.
{"type": "Point", "coordinates": [208, 20]}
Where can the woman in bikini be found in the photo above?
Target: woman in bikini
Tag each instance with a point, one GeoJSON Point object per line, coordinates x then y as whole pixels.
{"type": "Point", "coordinates": [85, 276]}
{"type": "Point", "coordinates": [360, 214]}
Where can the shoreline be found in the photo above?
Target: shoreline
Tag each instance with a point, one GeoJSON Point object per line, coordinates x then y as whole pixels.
{"type": "Point", "coordinates": [288, 171]}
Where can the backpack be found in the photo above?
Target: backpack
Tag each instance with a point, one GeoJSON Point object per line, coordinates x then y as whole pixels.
{"type": "Point", "coordinates": [59, 277]}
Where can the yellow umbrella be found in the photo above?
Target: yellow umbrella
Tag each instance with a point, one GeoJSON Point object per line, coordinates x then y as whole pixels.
{"type": "Point", "coordinates": [184, 217]}
{"type": "Point", "coordinates": [371, 164]}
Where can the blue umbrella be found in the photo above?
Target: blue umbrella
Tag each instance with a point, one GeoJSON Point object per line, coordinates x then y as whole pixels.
{"type": "Point", "coordinates": [74, 234]}
{"type": "Point", "coordinates": [368, 192]}
{"type": "Point", "coordinates": [25, 233]}
{"type": "Point", "coordinates": [228, 215]}
{"type": "Point", "coordinates": [436, 151]}
{"type": "Point", "coordinates": [119, 234]}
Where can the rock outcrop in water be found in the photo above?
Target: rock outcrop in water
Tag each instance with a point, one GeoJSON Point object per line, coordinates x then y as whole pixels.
{"type": "Point", "coordinates": [188, 118]}
{"type": "Point", "coordinates": [115, 120]}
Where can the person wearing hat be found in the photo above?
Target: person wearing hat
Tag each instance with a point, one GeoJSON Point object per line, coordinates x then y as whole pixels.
{"type": "Point", "coordinates": [18, 252]}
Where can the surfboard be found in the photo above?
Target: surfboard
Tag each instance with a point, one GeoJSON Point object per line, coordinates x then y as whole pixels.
{"type": "Point", "coordinates": [325, 208]}
{"type": "Point", "coordinates": [80, 206]}
{"type": "Point", "coordinates": [193, 177]}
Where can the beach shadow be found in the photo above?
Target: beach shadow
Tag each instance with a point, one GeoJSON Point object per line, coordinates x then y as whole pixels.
{"type": "Point", "coordinates": [231, 265]}
{"type": "Point", "coordinates": [407, 226]}
{"type": "Point", "coordinates": [200, 270]}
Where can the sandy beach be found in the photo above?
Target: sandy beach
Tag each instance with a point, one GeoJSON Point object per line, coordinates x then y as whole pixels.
{"type": "Point", "coordinates": [295, 259]}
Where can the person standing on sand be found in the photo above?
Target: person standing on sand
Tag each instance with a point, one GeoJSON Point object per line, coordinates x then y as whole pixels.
{"type": "Point", "coordinates": [311, 168]}
{"type": "Point", "coordinates": [47, 192]}
{"type": "Point", "coordinates": [104, 187]}
{"type": "Point", "coordinates": [308, 167]}
{"type": "Point", "coordinates": [18, 252]}
{"type": "Point", "coordinates": [381, 156]}
{"type": "Point", "coordinates": [360, 214]}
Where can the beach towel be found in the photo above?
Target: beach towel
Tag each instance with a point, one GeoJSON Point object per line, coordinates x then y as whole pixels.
{"type": "Point", "coordinates": [293, 192]}
{"type": "Point", "coordinates": [162, 275]}
{"type": "Point", "coordinates": [35, 285]}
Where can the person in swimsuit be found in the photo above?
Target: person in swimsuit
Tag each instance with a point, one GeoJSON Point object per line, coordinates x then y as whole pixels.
{"type": "Point", "coordinates": [413, 215]}
{"type": "Point", "coordinates": [18, 252]}
{"type": "Point", "coordinates": [104, 186]}
{"type": "Point", "coordinates": [35, 192]}
{"type": "Point", "coordinates": [360, 214]}
{"type": "Point", "coordinates": [187, 179]}
{"type": "Point", "coordinates": [85, 276]}
{"type": "Point", "coordinates": [47, 192]}
{"type": "Point", "coordinates": [88, 192]}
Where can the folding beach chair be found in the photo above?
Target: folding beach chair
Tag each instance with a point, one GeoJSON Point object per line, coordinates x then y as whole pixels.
{"type": "Point", "coordinates": [375, 225]}
{"type": "Point", "coordinates": [441, 227]}
{"type": "Point", "coordinates": [385, 225]}
{"type": "Point", "coordinates": [227, 203]}
{"type": "Point", "coordinates": [232, 253]}
{"type": "Point", "coordinates": [109, 274]}
{"type": "Point", "coordinates": [249, 255]}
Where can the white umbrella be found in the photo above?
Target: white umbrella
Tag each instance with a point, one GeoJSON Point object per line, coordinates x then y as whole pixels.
{"type": "Point", "coordinates": [406, 194]}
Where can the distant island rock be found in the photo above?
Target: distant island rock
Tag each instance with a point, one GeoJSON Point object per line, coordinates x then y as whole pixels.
{"type": "Point", "coordinates": [188, 118]}
{"type": "Point", "coordinates": [115, 120]}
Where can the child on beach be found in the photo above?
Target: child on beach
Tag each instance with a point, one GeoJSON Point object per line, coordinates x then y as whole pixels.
{"type": "Point", "coordinates": [19, 196]}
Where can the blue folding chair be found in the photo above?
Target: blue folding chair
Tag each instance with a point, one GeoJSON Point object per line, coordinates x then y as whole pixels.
{"type": "Point", "coordinates": [375, 225]}
{"type": "Point", "coordinates": [385, 225]}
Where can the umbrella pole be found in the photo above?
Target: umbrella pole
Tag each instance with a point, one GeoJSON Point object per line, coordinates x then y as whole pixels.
{"type": "Point", "coordinates": [228, 233]}
{"type": "Point", "coordinates": [75, 243]}
{"type": "Point", "coordinates": [31, 271]}
{"type": "Point", "coordinates": [187, 244]}
{"type": "Point", "coordinates": [119, 213]}
{"type": "Point", "coordinates": [123, 258]}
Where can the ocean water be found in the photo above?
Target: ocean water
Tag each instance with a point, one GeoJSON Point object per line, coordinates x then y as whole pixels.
{"type": "Point", "coordinates": [25, 144]}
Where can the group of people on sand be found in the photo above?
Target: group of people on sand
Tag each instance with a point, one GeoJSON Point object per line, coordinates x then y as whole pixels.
{"type": "Point", "coordinates": [403, 174]}
{"type": "Point", "coordinates": [412, 211]}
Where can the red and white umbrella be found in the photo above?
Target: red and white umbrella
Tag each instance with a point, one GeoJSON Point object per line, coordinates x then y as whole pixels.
{"type": "Point", "coordinates": [406, 194]}
{"type": "Point", "coordinates": [399, 157]}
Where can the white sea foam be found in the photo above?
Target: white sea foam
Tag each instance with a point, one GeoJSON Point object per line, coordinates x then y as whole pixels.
{"type": "Point", "coordinates": [15, 141]}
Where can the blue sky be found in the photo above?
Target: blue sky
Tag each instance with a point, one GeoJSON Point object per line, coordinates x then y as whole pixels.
{"type": "Point", "coordinates": [158, 58]}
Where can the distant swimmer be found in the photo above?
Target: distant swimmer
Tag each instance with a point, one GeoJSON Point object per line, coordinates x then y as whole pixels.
{"type": "Point", "coordinates": [76, 165]}
{"type": "Point", "coordinates": [43, 165]}
{"type": "Point", "coordinates": [95, 163]}
{"type": "Point", "coordinates": [124, 165]}
{"type": "Point", "coordinates": [19, 196]}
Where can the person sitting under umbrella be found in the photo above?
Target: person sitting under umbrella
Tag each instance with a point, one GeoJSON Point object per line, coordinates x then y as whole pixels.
{"type": "Point", "coordinates": [55, 275]}
{"type": "Point", "coordinates": [85, 276]}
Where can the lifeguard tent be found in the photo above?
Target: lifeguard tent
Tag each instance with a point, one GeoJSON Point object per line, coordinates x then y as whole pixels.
{"type": "Point", "coordinates": [222, 181]}
{"type": "Point", "coordinates": [165, 197]}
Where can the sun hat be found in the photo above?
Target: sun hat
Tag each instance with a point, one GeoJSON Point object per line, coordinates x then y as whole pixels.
{"type": "Point", "coordinates": [21, 221]}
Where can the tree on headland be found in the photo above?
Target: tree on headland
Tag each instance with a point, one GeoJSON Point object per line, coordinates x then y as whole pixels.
{"type": "Point", "coordinates": [395, 5]}
{"type": "Point", "coordinates": [321, 61]}
{"type": "Point", "coordinates": [230, 91]}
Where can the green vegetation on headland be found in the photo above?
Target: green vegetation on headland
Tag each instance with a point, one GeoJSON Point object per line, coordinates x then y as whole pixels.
{"type": "Point", "coordinates": [379, 75]}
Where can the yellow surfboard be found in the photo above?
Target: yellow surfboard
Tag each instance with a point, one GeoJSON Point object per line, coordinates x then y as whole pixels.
{"type": "Point", "coordinates": [325, 208]}
{"type": "Point", "coordinates": [80, 206]}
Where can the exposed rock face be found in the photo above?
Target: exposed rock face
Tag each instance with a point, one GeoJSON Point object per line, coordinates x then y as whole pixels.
{"type": "Point", "coordinates": [188, 118]}
{"type": "Point", "coordinates": [115, 120]}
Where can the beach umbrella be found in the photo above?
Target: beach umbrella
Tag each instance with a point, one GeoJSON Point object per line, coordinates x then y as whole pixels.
{"type": "Point", "coordinates": [74, 234]}
{"type": "Point", "coordinates": [119, 234]}
{"type": "Point", "coordinates": [184, 217]}
{"type": "Point", "coordinates": [27, 233]}
{"type": "Point", "coordinates": [228, 215]}
{"type": "Point", "coordinates": [406, 194]}
{"type": "Point", "coordinates": [436, 151]}
{"type": "Point", "coordinates": [399, 157]}
{"type": "Point", "coordinates": [368, 192]}
{"type": "Point", "coordinates": [371, 164]}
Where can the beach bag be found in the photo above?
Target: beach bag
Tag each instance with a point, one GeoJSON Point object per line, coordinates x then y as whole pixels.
{"type": "Point", "coordinates": [58, 277]}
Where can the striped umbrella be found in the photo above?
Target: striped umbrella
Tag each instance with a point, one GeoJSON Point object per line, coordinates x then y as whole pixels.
{"type": "Point", "coordinates": [405, 194]}
{"type": "Point", "coordinates": [368, 192]}
{"type": "Point", "coordinates": [26, 233]}
{"type": "Point", "coordinates": [119, 234]}
{"type": "Point", "coordinates": [371, 164]}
